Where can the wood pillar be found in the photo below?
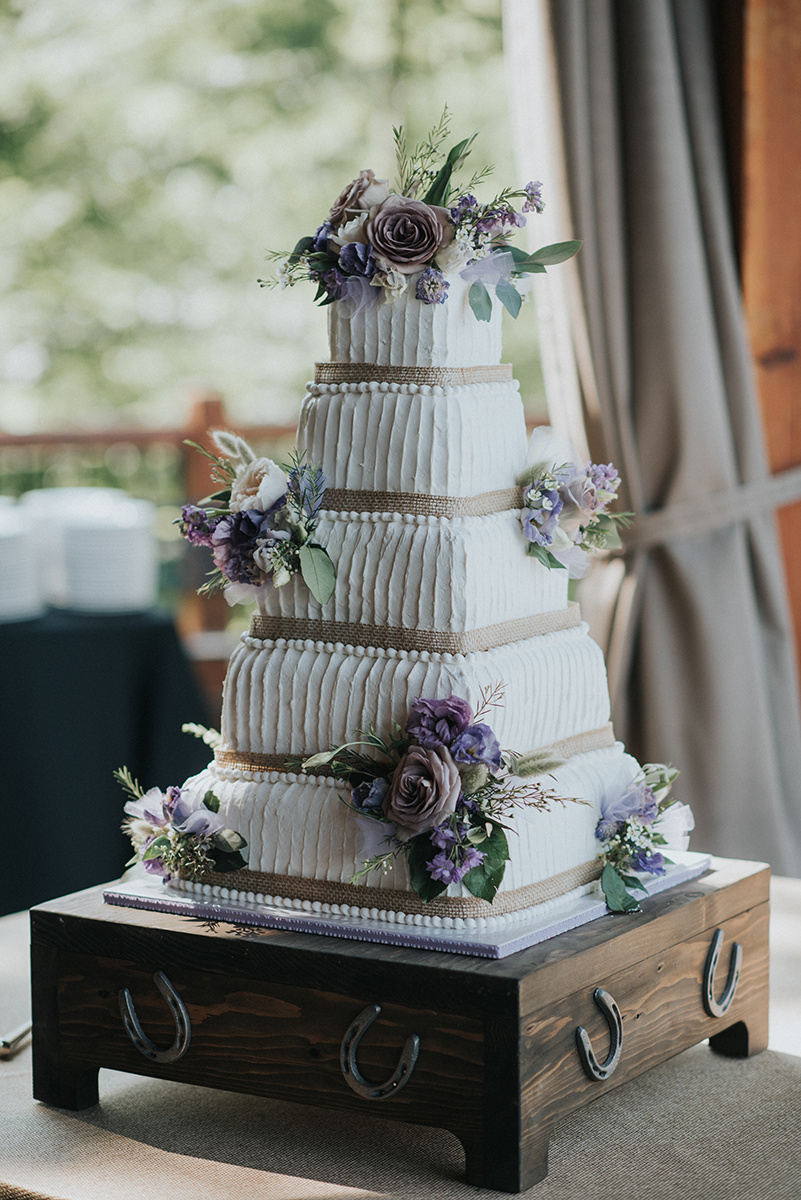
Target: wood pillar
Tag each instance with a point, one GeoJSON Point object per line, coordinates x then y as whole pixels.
{"type": "Point", "coordinates": [771, 244]}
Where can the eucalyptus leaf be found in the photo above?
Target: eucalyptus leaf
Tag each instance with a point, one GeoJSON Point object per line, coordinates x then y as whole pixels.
{"type": "Point", "coordinates": [319, 573]}
{"type": "Point", "coordinates": [484, 880]}
{"type": "Point", "coordinates": [228, 841]}
{"type": "Point", "coordinates": [509, 297]}
{"type": "Point", "coordinates": [156, 848]}
{"type": "Point", "coordinates": [211, 802]}
{"type": "Point", "coordinates": [614, 889]}
{"type": "Point", "coordinates": [480, 301]}
{"type": "Point", "coordinates": [543, 554]}
{"type": "Point", "coordinates": [421, 852]}
{"type": "Point", "coordinates": [555, 253]}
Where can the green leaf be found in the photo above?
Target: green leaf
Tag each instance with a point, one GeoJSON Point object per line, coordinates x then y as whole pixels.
{"type": "Point", "coordinates": [556, 253]}
{"type": "Point", "coordinates": [543, 555]}
{"type": "Point", "coordinates": [319, 573]}
{"type": "Point", "coordinates": [421, 852]}
{"type": "Point", "coordinates": [614, 889]}
{"type": "Point", "coordinates": [631, 881]}
{"type": "Point", "coordinates": [211, 802]}
{"type": "Point", "coordinates": [225, 862]}
{"type": "Point", "coordinates": [509, 297]}
{"type": "Point", "coordinates": [483, 881]}
{"type": "Point", "coordinates": [228, 841]}
{"type": "Point", "coordinates": [305, 244]}
{"type": "Point", "coordinates": [480, 301]}
{"type": "Point", "coordinates": [156, 848]}
{"type": "Point", "coordinates": [438, 192]}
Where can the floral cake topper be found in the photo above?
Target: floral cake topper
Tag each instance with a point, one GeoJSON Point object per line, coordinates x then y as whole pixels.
{"type": "Point", "coordinates": [260, 524]}
{"type": "Point", "coordinates": [565, 514]}
{"type": "Point", "coordinates": [376, 242]}
{"type": "Point", "coordinates": [438, 792]}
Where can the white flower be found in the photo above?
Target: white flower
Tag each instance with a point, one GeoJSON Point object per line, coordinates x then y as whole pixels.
{"type": "Point", "coordinates": [675, 823]}
{"type": "Point", "coordinates": [392, 281]}
{"type": "Point", "coordinates": [281, 576]}
{"type": "Point", "coordinates": [455, 256]}
{"type": "Point", "coordinates": [259, 486]}
{"type": "Point", "coordinates": [352, 231]}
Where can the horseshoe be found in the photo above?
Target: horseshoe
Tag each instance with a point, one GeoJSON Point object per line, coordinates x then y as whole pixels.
{"type": "Point", "coordinates": [353, 1076]}
{"type": "Point", "coordinates": [592, 1068]}
{"type": "Point", "coordinates": [716, 1008]}
{"type": "Point", "coordinates": [183, 1028]}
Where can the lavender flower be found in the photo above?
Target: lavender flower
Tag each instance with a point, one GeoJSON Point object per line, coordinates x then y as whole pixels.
{"type": "Point", "coordinates": [432, 287]}
{"type": "Point", "coordinates": [438, 722]}
{"type": "Point", "coordinates": [478, 744]}
{"type": "Point", "coordinates": [604, 476]}
{"type": "Point", "coordinates": [448, 870]}
{"type": "Point", "coordinates": [651, 864]}
{"type": "Point", "coordinates": [197, 526]}
{"type": "Point", "coordinates": [462, 207]}
{"type": "Point", "coordinates": [369, 796]}
{"type": "Point", "coordinates": [446, 835]}
{"type": "Point", "coordinates": [533, 201]}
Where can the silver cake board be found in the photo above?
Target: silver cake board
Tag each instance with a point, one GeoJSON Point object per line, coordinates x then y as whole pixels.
{"type": "Point", "coordinates": [149, 892]}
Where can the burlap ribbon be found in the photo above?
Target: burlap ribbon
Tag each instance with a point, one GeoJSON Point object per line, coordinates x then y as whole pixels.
{"type": "Point", "coordinates": [356, 500]}
{"type": "Point", "coordinates": [394, 637]}
{"type": "Point", "coordinates": [343, 372]}
{"type": "Point", "coordinates": [289, 887]}
{"type": "Point", "coordinates": [579, 743]}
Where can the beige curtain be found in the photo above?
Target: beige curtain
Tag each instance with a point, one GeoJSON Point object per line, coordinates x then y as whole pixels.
{"type": "Point", "coordinates": [702, 644]}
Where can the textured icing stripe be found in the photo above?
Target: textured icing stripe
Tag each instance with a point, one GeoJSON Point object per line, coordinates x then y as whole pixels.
{"type": "Point", "coordinates": [579, 743]}
{"type": "Point", "coordinates": [346, 372]}
{"type": "Point", "coordinates": [388, 637]}
{"type": "Point", "coordinates": [288, 887]}
{"type": "Point", "coordinates": [356, 500]}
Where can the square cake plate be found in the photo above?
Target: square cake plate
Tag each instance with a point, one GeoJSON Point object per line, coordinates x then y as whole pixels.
{"type": "Point", "coordinates": [149, 892]}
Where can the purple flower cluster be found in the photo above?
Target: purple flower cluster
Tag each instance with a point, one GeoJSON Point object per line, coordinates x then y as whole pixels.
{"type": "Point", "coordinates": [368, 797]}
{"type": "Point", "coordinates": [179, 809]}
{"type": "Point", "coordinates": [237, 537]}
{"type": "Point", "coordinates": [637, 802]}
{"type": "Point", "coordinates": [453, 870]}
{"type": "Point", "coordinates": [541, 514]}
{"type": "Point", "coordinates": [197, 525]}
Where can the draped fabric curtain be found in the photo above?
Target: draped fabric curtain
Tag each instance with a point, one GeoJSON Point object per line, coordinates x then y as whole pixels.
{"type": "Point", "coordinates": [702, 643]}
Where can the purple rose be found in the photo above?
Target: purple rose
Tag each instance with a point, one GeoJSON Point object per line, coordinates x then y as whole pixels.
{"type": "Point", "coordinates": [369, 796]}
{"type": "Point", "coordinates": [438, 722]}
{"type": "Point", "coordinates": [478, 744]}
{"type": "Point", "coordinates": [362, 194]}
{"type": "Point", "coordinates": [408, 233]}
{"type": "Point", "coordinates": [424, 789]}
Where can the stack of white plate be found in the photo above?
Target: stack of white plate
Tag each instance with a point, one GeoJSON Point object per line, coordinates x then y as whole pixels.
{"type": "Point", "coordinates": [20, 593]}
{"type": "Point", "coordinates": [98, 548]}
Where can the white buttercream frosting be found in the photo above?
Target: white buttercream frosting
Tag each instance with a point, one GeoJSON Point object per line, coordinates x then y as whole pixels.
{"type": "Point", "coordinates": [407, 333]}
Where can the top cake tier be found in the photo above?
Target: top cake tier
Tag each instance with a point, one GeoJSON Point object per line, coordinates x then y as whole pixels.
{"type": "Point", "coordinates": [404, 332]}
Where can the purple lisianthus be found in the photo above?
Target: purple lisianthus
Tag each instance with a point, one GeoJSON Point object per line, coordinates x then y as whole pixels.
{"type": "Point", "coordinates": [533, 201]}
{"type": "Point", "coordinates": [356, 258]}
{"type": "Point", "coordinates": [189, 815]}
{"type": "Point", "coordinates": [438, 722]}
{"type": "Point", "coordinates": [650, 864]}
{"type": "Point", "coordinates": [369, 796]}
{"type": "Point", "coordinates": [320, 243]}
{"type": "Point", "coordinates": [197, 525]}
{"type": "Point", "coordinates": [235, 540]}
{"type": "Point", "coordinates": [637, 801]}
{"type": "Point", "coordinates": [432, 287]}
{"type": "Point", "coordinates": [541, 514]}
{"type": "Point", "coordinates": [477, 744]}
{"type": "Point", "coordinates": [150, 808]}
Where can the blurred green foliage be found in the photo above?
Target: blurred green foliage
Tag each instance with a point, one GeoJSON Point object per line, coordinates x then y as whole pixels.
{"type": "Point", "coordinates": [151, 151]}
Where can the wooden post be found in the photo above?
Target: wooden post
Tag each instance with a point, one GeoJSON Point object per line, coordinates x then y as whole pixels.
{"type": "Point", "coordinates": [771, 245]}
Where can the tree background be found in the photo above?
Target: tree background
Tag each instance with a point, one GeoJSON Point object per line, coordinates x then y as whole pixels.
{"type": "Point", "coordinates": [152, 151]}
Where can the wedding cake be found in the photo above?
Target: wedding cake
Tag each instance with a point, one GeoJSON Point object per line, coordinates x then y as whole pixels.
{"type": "Point", "coordinates": [410, 574]}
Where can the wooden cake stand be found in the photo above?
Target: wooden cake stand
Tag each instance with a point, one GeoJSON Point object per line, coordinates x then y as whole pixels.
{"type": "Point", "coordinates": [494, 1050]}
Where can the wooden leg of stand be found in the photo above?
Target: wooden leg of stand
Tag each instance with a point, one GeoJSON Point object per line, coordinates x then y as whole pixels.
{"type": "Point", "coordinates": [512, 1165]}
{"type": "Point", "coordinates": [64, 1085]}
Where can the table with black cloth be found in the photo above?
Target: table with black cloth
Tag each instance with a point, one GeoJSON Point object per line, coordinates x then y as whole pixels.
{"type": "Point", "coordinates": [80, 696]}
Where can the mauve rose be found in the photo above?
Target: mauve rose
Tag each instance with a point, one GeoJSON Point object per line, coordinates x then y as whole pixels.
{"type": "Point", "coordinates": [258, 487]}
{"type": "Point", "coordinates": [408, 233]}
{"type": "Point", "coordinates": [362, 194]}
{"type": "Point", "coordinates": [424, 789]}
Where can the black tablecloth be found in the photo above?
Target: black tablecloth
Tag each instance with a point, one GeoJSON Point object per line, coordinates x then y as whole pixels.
{"type": "Point", "coordinates": [80, 696]}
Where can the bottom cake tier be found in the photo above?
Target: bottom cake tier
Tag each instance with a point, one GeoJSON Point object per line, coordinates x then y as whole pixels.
{"type": "Point", "coordinates": [305, 844]}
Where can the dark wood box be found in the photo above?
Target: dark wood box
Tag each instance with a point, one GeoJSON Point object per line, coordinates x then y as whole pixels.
{"type": "Point", "coordinates": [491, 1049]}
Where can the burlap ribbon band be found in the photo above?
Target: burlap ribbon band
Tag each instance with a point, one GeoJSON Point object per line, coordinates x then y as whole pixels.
{"type": "Point", "coordinates": [393, 637]}
{"type": "Point", "coordinates": [356, 500]}
{"type": "Point", "coordinates": [345, 372]}
{"type": "Point", "coordinates": [579, 743]}
{"type": "Point", "coordinates": [288, 887]}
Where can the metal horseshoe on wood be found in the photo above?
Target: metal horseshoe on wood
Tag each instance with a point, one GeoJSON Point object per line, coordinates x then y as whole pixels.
{"type": "Point", "coordinates": [716, 1008]}
{"type": "Point", "coordinates": [183, 1028]}
{"type": "Point", "coordinates": [592, 1068]}
{"type": "Point", "coordinates": [353, 1076]}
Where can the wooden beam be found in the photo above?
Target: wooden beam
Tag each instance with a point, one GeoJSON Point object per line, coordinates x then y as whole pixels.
{"type": "Point", "coordinates": [771, 244]}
